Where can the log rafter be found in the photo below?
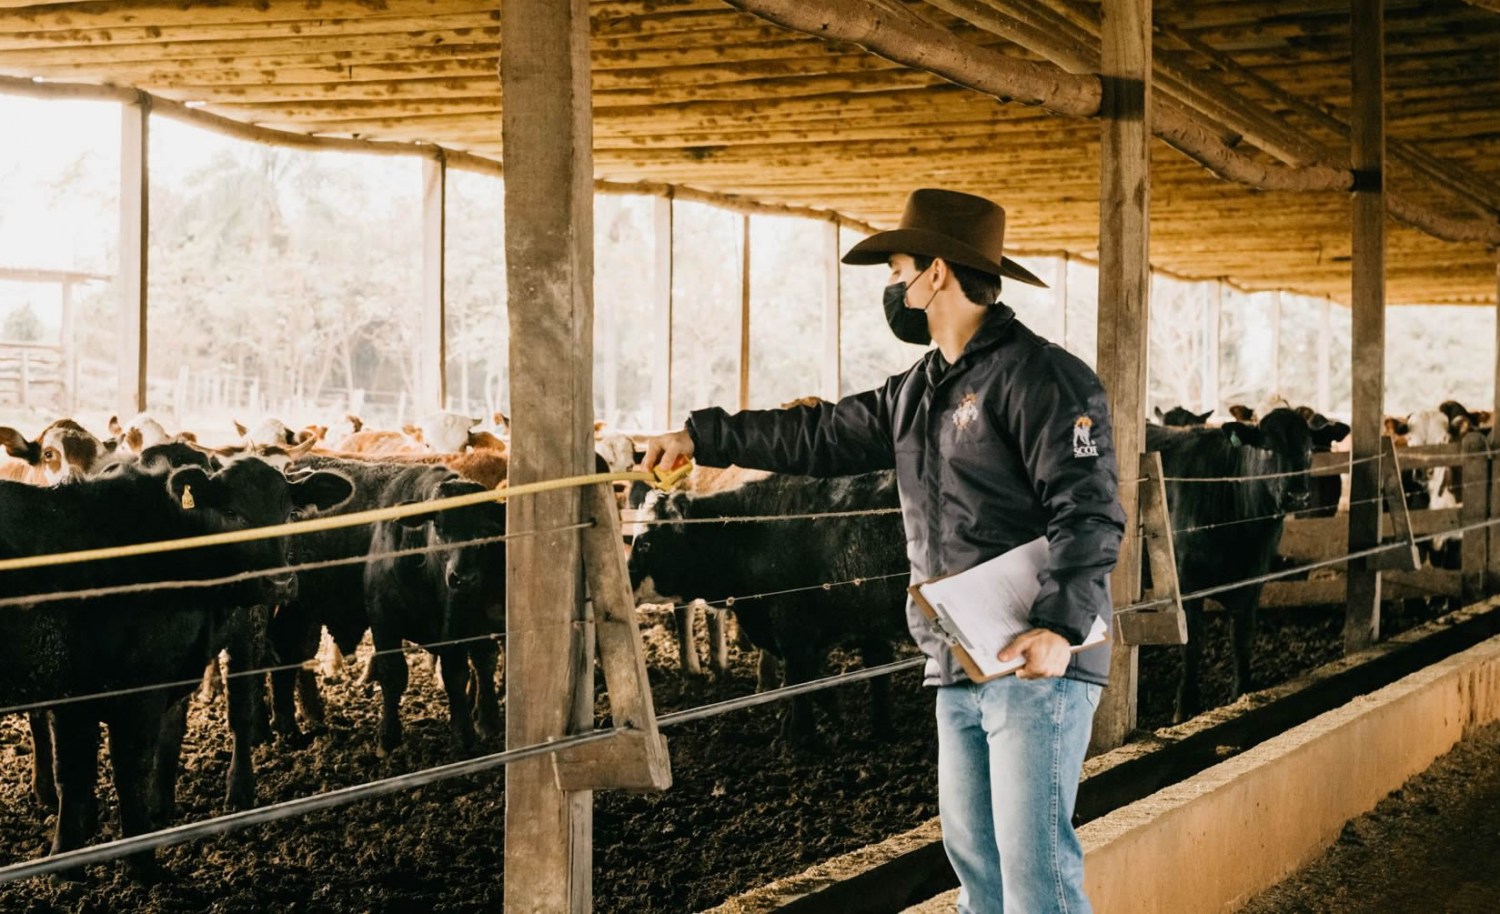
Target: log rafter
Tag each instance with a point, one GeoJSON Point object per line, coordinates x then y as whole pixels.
{"type": "Point", "coordinates": [995, 96]}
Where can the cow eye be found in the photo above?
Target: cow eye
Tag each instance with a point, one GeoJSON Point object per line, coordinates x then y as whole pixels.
{"type": "Point", "coordinates": [49, 454]}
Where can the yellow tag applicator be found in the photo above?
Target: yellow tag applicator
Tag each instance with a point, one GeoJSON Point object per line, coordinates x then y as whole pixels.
{"type": "Point", "coordinates": [667, 480]}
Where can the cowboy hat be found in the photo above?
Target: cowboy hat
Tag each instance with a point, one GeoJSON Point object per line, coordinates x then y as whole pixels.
{"type": "Point", "coordinates": [960, 228]}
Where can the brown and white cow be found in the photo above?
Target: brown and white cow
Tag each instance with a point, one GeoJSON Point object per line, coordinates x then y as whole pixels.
{"type": "Point", "coordinates": [64, 450]}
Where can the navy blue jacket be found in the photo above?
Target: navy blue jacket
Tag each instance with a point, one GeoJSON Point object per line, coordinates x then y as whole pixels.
{"type": "Point", "coordinates": [1009, 443]}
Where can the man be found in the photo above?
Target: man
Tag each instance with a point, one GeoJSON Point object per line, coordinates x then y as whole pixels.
{"type": "Point", "coordinates": [997, 437]}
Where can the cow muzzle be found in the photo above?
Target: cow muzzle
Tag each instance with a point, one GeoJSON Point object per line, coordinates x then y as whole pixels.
{"type": "Point", "coordinates": [282, 587]}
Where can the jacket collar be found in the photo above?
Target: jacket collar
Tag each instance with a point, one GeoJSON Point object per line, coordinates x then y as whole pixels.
{"type": "Point", "coordinates": [992, 331]}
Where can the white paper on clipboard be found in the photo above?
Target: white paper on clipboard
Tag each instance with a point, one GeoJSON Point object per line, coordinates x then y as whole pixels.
{"type": "Point", "coordinates": [983, 609]}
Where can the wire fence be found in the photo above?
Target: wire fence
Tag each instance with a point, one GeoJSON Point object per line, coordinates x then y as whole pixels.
{"type": "Point", "coordinates": [220, 825]}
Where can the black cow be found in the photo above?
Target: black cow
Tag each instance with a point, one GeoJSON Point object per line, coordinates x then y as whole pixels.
{"type": "Point", "coordinates": [1324, 492]}
{"type": "Point", "coordinates": [717, 561]}
{"type": "Point", "coordinates": [1179, 416]}
{"type": "Point", "coordinates": [420, 604]}
{"type": "Point", "coordinates": [51, 651]}
{"type": "Point", "coordinates": [450, 594]}
{"type": "Point", "coordinates": [1227, 531]}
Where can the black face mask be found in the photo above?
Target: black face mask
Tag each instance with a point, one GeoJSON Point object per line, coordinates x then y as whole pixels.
{"type": "Point", "coordinates": [909, 324]}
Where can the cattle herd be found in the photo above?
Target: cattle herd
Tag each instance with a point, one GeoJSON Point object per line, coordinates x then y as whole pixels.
{"type": "Point", "coordinates": [91, 642]}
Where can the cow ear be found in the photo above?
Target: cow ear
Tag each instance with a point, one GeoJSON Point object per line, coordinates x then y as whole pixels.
{"type": "Point", "coordinates": [195, 478]}
{"type": "Point", "coordinates": [324, 490]}
{"type": "Point", "coordinates": [114, 426]}
{"type": "Point", "coordinates": [1329, 433]}
{"type": "Point", "coordinates": [414, 521]}
{"type": "Point", "coordinates": [1240, 434]}
{"type": "Point", "coordinates": [1160, 416]}
{"type": "Point", "coordinates": [239, 429]}
{"type": "Point", "coordinates": [1202, 418]}
{"type": "Point", "coordinates": [16, 445]}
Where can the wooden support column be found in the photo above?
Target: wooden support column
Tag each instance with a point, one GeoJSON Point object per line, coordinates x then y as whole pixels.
{"type": "Point", "coordinates": [1213, 324]}
{"type": "Point", "coordinates": [1367, 159]}
{"type": "Point", "coordinates": [1124, 295]}
{"type": "Point", "coordinates": [661, 379]}
{"type": "Point", "coordinates": [1325, 357]}
{"type": "Point", "coordinates": [135, 222]}
{"type": "Point", "coordinates": [433, 358]}
{"type": "Point", "coordinates": [1474, 512]}
{"type": "Point", "coordinates": [1060, 301]}
{"type": "Point", "coordinates": [1276, 343]}
{"type": "Point", "coordinates": [69, 343]}
{"type": "Point", "coordinates": [745, 312]}
{"type": "Point", "coordinates": [549, 236]}
{"type": "Point", "coordinates": [833, 313]}
{"type": "Point", "coordinates": [1492, 578]}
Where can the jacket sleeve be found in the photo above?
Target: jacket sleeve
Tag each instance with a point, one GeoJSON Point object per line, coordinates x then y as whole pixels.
{"type": "Point", "coordinates": [1059, 414]}
{"type": "Point", "coordinates": [830, 439]}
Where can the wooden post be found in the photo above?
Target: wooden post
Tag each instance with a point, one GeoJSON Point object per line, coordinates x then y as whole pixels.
{"type": "Point", "coordinates": [1124, 295]}
{"type": "Point", "coordinates": [1367, 158]}
{"type": "Point", "coordinates": [661, 379]}
{"type": "Point", "coordinates": [135, 219]}
{"type": "Point", "coordinates": [636, 758]}
{"type": "Point", "coordinates": [745, 312]}
{"type": "Point", "coordinates": [433, 358]}
{"type": "Point", "coordinates": [1325, 356]}
{"type": "Point", "coordinates": [549, 236]}
{"type": "Point", "coordinates": [68, 333]}
{"type": "Point", "coordinates": [1475, 510]}
{"type": "Point", "coordinates": [1165, 624]}
{"type": "Point", "coordinates": [832, 311]}
{"type": "Point", "coordinates": [1276, 343]}
{"type": "Point", "coordinates": [1492, 579]}
{"type": "Point", "coordinates": [1213, 320]}
{"type": "Point", "coordinates": [1060, 300]}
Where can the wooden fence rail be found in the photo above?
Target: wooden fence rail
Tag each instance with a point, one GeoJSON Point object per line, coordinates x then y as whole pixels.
{"type": "Point", "coordinates": [1308, 540]}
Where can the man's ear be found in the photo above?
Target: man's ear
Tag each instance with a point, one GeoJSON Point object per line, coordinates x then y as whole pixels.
{"type": "Point", "coordinates": [1240, 434]}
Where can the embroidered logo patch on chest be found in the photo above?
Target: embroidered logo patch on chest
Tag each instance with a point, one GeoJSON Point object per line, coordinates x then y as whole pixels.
{"type": "Point", "coordinates": [1083, 438]}
{"type": "Point", "coordinates": [967, 412]}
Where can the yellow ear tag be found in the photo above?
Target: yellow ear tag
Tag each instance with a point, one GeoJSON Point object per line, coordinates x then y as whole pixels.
{"type": "Point", "coordinates": [188, 503]}
{"type": "Point", "coordinates": [667, 480]}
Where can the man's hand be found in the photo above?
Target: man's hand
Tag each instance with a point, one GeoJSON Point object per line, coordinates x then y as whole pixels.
{"type": "Point", "coordinates": [1047, 653]}
{"type": "Point", "coordinates": [667, 451]}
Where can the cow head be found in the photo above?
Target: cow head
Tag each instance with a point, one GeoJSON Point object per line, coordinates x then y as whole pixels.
{"type": "Point", "coordinates": [471, 577]}
{"type": "Point", "coordinates": [1179, 416]}
{"type": "Point", "coordinates": [251, 493]}
{"type": "Point", "coordinates": [1285, 444]}
{"type": "Point", "coordinates": [661, 568]}
{"type": "Point", "coordinates": [64, 450]}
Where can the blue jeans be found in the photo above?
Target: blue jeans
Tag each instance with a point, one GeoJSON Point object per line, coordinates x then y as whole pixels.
{"type": "Point", "coordinates": [1010, 752]}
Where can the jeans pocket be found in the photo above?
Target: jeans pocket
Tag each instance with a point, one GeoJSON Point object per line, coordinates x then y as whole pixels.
{"type": "Point", "coordinates": [1093, 692]}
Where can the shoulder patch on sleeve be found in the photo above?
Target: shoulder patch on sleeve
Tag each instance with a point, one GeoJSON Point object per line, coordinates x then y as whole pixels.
{"type": "Point", "coordinates": [1083, 440]}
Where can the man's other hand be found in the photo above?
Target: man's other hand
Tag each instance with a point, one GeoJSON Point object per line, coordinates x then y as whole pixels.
{"type": "Point", "coordinates": [667, 451]}
{"type": "Point", "coordinates": [1047, 654]}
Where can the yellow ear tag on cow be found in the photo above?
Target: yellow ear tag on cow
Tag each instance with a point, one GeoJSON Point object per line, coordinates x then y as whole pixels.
{"type": "Point", "coordinates": [188, 503]}
{"type": "Point", "coordinates": [667, 480]}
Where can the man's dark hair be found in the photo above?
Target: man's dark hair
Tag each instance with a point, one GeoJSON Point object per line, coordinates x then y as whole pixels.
{"type": "Point", "coordinates": [979, 287]}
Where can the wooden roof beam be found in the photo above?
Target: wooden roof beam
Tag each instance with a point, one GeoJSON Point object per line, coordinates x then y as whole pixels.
{"type": "Point", "coordinates": [1070, 39]}
{"type": "Point", "coordinates": [915, 42]}
{"type": "Point", "coordinates": [1468, 186]}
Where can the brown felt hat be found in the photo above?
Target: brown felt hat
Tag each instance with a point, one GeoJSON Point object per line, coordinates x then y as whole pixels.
{"type": "Point", "coordinates": [960, 228]}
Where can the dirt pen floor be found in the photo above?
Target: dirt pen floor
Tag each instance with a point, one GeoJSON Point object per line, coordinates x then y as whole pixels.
{"type": "Point", "coordinates": [1431, 847]}
{"type": "Point", "coordinates": [744, 809]}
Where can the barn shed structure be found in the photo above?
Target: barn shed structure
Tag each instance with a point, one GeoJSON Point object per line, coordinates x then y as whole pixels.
{"type": "Point", "coordinates": [1342, 149]}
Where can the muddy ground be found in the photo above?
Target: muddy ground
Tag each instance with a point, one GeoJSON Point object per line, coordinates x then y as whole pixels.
{"type": "Point", "coordinates": [1431, 847]}
{"type": "Point", "coordinates": [745, 809]}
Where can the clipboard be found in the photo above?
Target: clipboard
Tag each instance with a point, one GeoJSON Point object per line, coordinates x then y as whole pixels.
{"type": "Point", "coordinates": [979, 611]}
